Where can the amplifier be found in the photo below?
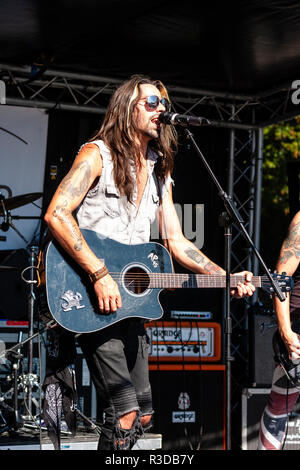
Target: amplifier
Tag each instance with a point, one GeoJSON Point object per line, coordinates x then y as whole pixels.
{"type": "Point", "coordinates": [189, 405]}
{"type": "Point", "coordinates": [190, 315]}
{"type": "Point", "coordinates": [184, 340]}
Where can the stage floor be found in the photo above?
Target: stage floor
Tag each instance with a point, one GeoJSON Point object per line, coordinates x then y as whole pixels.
{"type": "Point", "coordinates": [30, 439]}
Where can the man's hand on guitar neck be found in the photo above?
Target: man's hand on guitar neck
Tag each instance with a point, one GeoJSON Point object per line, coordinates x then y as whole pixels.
{"type": "Point", "coordinates": [243, 289]}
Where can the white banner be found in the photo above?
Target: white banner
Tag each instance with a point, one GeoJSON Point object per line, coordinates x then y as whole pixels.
{"type": "Point", "coordinates": [23, 143]}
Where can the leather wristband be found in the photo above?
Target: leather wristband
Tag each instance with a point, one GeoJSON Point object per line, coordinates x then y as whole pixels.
{"type": "Point", "coordinates": [98, 274]}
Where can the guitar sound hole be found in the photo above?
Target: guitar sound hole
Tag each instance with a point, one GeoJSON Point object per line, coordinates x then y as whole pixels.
{"type": "Point", "coordinates": [136, 280]}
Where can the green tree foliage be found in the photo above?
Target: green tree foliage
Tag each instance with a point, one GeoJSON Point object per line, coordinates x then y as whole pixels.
{"type": "Point", "coordinates": [281, 151]}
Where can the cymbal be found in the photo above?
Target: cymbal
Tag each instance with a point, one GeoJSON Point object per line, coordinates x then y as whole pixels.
{"type": "Point", "coordinates": [18, 201]}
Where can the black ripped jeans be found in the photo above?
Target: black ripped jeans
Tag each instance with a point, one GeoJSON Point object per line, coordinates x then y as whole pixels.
{"type": "Point", "coordinates": [117, 358]}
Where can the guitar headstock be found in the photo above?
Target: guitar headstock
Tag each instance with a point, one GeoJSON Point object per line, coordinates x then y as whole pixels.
{"type": "Point", "coordinates": [283, 281]}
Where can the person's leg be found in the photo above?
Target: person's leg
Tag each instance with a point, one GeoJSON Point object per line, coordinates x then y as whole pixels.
{"type": "Point", "coordinates": [281, 401]}
{"type": "Point", "coordinates": [136, 351]}
{"type": "Point", "coordinates": [107, 363]}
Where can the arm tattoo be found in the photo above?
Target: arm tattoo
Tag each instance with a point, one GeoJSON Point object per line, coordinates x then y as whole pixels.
{"type": "Point", "coordinates": [65, 217]}
{"type": "Point", "coordinates": [202, 261]}
{"type": "Point", "coordinates": [76, 185]}
{"type": "Point", "coordinates": [291, 245]}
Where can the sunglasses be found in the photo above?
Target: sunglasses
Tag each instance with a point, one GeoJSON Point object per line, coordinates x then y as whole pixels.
{"type": "Point", "coordinates": [153, 101]}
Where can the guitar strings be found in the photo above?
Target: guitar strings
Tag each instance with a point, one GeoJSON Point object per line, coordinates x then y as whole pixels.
{"type": "Point", "coordinates": [205, 280]}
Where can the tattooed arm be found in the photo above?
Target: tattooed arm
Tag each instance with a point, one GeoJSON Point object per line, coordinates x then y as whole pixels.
{"type": "Point", "coordinates": [288, 262]}
{"type": "Point", "coordinates": [85, 171]}
{"type": "Point", "coordinates": [187, 254]}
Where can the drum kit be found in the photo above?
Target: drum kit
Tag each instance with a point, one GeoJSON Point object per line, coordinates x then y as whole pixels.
{"type": "Point", "coordinates": [27, 381]}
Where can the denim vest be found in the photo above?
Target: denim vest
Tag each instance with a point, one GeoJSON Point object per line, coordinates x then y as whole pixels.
{"type": "Point", "coordinates": [105, 211]}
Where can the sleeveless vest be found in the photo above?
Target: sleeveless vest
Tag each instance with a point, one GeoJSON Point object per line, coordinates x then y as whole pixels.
{"type": "Point", "coordinates": [107, 212]}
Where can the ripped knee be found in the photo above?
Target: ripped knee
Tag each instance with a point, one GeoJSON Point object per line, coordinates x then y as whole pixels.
{"type": "Point", "coordinates": [125, 438]}
{"type": "Point", "coordinates": [126, 421]}
{"type": "Point", "coordinates": [146, 421]}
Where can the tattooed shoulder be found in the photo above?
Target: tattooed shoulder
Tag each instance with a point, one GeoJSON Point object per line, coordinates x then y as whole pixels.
{"type": "Point", "coordinates": [291, 245]}
{"type": "Point", "coordinates": [77, 181]}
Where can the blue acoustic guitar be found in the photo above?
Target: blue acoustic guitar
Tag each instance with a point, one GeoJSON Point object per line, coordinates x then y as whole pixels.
{"type": "Point", "coordinates": [141, 272]}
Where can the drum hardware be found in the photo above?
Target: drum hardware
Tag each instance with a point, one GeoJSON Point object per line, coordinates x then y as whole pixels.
{"type": "Point", "coordinates": [7, 204]}
{"type": "Point", "coordinates": [12, 394]}
{"type": "Point", "coordinates": [4, 425]}
{"type": "Point", "coordinates": [8, 223]}
{"type": "Point", "coordinates": [16, 356]}
{"type": "Point", "coordinates": [18, 217]}
{"type": "Point", "coordinates": [21, 383]}
{"type": "Point", "coordinates": [7, 189]}
{"type": "Point", "coordinates": [9, 192]}
{"type": "Point", "coordinates": [10, 203]}
{"type": "Point", "coordinates": [29, 380]}
{"type": "Point", "coordinates": [93, 426]}
{"type": "Point", "coordinates": [25, 384]}
{"type": "Point", "coordinates": [9, 268]}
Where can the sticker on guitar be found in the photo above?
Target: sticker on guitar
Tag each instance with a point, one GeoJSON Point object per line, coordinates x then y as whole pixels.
{"type": "Point", "coordinates": [154, 259]}
{"type": "Point", "coordinates": [72, 299]}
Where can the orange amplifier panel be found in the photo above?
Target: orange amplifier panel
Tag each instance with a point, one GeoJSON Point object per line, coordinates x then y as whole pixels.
{"type": "Point", "coordinates": [175, 341]}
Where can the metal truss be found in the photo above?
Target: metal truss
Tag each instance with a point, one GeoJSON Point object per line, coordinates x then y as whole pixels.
{"type": "Point", "coordinates": [244, 186]}
{"type": "Point", "coordinates": [34, 86]}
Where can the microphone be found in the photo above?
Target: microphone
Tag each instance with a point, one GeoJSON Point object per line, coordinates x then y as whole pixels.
{"type": "Point", "coordinates": [182, 119]}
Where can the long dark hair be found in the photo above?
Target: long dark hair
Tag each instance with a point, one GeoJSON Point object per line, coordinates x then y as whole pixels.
{"type": "Point", "coordinates": [117, 131]}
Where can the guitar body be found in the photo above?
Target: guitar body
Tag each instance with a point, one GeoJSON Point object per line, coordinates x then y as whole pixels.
{"type": "Point", "coordinates": [70, 295]}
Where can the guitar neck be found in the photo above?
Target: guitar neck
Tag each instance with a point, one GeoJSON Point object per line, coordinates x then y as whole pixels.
{"type": "Point", "coordinates": [177, 281]}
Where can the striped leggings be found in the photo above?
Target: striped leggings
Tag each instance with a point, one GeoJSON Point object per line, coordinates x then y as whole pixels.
{"type": "Point", "coordinates": [281, 402]}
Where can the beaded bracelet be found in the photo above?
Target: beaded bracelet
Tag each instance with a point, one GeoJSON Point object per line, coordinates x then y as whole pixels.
{"type": "Point", "coordinates": [98, 274]}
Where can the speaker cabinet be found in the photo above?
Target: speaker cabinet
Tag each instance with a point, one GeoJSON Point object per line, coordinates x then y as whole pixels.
{"type": "Point", "coordinates": [263, 328]}
{"type": "Point", "coordinates": [189, 408]}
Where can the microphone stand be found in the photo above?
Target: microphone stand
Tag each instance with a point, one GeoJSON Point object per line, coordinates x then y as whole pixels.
{"type": "Point", "coordinates": [15, 369]}
{"type": "Point", "coordinates": [31, 310]}
{"type": "Point", "coordinates": [230, 216]}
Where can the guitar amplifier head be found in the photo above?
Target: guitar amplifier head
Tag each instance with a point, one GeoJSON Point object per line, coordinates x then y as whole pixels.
{"type": "Point", "coordinates": [184, 340]}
